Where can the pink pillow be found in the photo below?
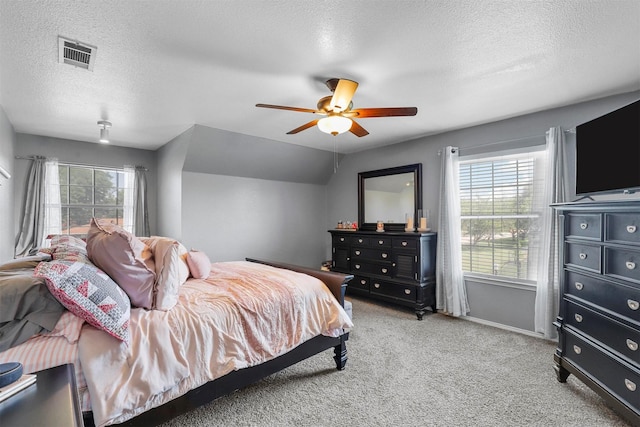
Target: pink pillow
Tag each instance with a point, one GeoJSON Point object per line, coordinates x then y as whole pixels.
{"type": "Point", "coordinates": [125, 258]}
{"type": "Point", "coordinates": [199, 264]}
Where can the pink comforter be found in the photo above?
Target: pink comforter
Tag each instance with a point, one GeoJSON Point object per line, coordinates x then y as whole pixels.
{"type": "Point", "coordinates": [242, 315]}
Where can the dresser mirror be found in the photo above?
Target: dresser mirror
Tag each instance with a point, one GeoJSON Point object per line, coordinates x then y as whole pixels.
{"type": "Point", "coordinates": [388, 195]}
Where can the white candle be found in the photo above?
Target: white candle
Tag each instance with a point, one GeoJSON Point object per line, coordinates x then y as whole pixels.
{"type": "Point", "coordinates": [423, 223]}
{"type": "Point", "coordinates": [410, 223]}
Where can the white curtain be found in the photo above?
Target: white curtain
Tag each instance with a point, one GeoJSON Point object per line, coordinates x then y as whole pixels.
{"type": "Point", "coordinates": [555, 191]}
{"type": "Point", "coordinates": [129, 198]}
{"type": "Point", "coordinates": [451, 295]}
{"type": "Point", "coordinates": [136, 210]}
{"type": "Point", "coordinates": [52, 206]}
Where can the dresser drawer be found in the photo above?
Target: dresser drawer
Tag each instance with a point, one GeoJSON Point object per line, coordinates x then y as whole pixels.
{"type": "Point", "coordinates": [583, 226]}
{"type": "Point", "coordinates": [618, 298]}
{"type": "Point", "coordinates": [358, 253]}
{"type": "Point", "coordinates": [360, 283]}
{"type": "Point", "coordinates": [381, 242]}
{"type": "Point", "coordinates": [405, 243]}
{"type": "Point", "coordinates": [361, 241]}
{"type": "Point", "coordinates": [377, 268]}
{"type": "Point", "coordinates": [622, 228]}
{"type": "Point", "coordinates": [583, 256]}
{"type": "Point", "coordinates": [393, 290]}
{"type": "Point", "coordinates": [622, 263]}
{"type": "Point", "coordinates": [617, 336]}
{"type": "Point", "coordinates": [622, 381]}
{"type": "Point", "coordinates": [340, 240]}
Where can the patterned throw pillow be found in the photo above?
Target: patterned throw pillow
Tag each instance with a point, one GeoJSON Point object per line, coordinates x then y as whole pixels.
{"type": "Point", "coordinates": [68, 248]}
{"type": "Point", "coordinates": [88, 293]}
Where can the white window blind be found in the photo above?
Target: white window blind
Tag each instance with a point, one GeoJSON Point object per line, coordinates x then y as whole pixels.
{"type": "Point", "coordinates": [500, 208]}
{"type": "Point", "coordinates": [87, 192]}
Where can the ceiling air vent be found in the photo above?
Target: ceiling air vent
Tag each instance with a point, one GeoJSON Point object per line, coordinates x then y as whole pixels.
{"type": "Point", "coordinates": [75, 53]}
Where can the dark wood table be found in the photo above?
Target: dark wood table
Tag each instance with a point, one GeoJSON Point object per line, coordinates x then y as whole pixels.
{"type": "Point", "coordinates": [51, 401]}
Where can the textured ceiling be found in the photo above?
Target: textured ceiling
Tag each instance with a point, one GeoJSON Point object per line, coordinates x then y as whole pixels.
{"type": "Point", "coordinates": [164, 65]}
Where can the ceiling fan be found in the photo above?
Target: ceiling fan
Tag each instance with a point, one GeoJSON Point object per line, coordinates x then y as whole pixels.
{"type": "Point", "coordinates": [339, 111]}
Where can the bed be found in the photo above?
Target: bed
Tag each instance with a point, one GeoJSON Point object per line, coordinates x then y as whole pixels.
{"type": "Point", "coordinates": [154, 330]}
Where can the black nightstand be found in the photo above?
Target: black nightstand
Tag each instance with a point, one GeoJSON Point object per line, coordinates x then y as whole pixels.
{"type": "Point", "coordinates": [51, 401]}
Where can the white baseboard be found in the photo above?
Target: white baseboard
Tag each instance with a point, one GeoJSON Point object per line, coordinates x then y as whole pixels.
{"type": "Point", "coordinates": [501, 326]}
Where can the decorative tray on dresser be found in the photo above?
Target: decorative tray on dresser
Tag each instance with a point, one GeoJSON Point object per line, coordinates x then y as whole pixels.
{"type": "Point", "coordinates": [396, 267]}
{"type": "Point", "coordinates": [599, 311]}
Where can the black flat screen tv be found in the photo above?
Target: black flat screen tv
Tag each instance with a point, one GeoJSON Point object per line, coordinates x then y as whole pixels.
{"type": "Point", "coordinates": [608, 153]}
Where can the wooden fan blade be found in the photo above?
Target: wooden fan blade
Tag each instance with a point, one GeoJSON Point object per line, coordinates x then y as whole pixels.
{"type": "Point", "coordinates": [282, 107]}
{"type": "Point", "coordinates": [305, 126]}
{"type": "Point", "coordinates": [362, 113]}
{"type": "Point", "coordinates": [342, 95]}
{"type": "Point", "coordinates": [358, 130]}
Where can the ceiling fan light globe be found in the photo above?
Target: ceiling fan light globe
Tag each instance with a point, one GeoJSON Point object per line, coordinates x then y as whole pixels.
{"type": "Point", "coordinates": [334, 125]}
{"type": "Point", "coordinates": [104, 136]}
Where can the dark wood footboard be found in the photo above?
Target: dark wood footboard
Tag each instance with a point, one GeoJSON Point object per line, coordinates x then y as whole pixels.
{"type": "Point", "coordinates": [336, 282]}
{"type": "Point", "coordinates": [236, 380]}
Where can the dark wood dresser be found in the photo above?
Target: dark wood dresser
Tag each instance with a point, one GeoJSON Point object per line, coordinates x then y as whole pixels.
{"type": "Point", "coordinates": [396, 267]}
{"type": "Point", "coordinates": [599, 316]}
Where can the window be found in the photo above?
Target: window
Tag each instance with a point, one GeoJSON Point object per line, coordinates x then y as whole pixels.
{"type": "Point", "coordinates": [500, 210]}
{"type": "Point", "coordinates": [87, 192]}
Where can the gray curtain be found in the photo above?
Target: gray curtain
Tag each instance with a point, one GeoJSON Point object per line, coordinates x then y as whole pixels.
{"type": "Point", "coordinates": [140, 207]}
{"type": "Point", "coordinates": [32, 230]}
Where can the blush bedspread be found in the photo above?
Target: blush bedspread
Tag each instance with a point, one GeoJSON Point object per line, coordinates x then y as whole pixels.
{"type": "Point", "coordinates": [243, 314]}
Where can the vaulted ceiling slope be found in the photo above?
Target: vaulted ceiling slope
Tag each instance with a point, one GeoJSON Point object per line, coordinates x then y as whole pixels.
{"type": "Point", "coordinates": [163, 66]}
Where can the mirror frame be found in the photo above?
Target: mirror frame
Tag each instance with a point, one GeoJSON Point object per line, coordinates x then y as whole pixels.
{"type": "Point", "coordinates": [416, 169]}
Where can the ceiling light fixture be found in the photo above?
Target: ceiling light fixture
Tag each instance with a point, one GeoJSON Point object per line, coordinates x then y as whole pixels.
{"type": "Point", "coordinates": [334, 124]}
{"type": "Point", "coordinates": [104, 131]}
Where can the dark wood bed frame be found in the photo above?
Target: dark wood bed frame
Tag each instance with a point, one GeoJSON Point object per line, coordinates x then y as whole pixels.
{"type": "Point", "coordinates": [336, 282]}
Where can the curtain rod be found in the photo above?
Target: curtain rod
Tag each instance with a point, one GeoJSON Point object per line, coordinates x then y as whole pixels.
{"type": "Point", "coordinates": [488, 144]}
{"type": "Point", "coordinates": [78, 164]}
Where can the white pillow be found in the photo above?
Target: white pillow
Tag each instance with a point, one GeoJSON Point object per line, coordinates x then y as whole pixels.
{"type": "Point", "coordinates": [171, 270]}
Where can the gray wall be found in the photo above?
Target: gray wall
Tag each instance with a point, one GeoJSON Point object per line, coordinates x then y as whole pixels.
{"type": "Point", "coordinates": [235, 196]}
{"type": "Point", "coordinates": [231, 218]}
{"type": "Point", "coordinates": [7, 231]}
{"type": "Point", "coordinates": [490, 302]}
{"type": "Point", "coordinates": [170, 163]}
{"type": "Point", "coordinates": [80, 153]}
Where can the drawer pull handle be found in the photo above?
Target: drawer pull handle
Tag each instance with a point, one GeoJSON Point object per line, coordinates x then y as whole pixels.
{"type": "Point", "coordinates": [357, 252]}
{"type": "Point", "coordinates": [384, 270]}
{"type": "Point", "coordinates": [583, 255]}
{"type": "Point", "coordinates": [633, 346]}
{"type": "Point", "coordinates": [630, 385]}
{"type": "Point", "coordinates": [357, 266]}
{"type": "Point", "coordinates": [584, 225]}
{"type": "Point", "coordinates": [579, 286]}
{"type": "Point", "coordinates": [342, 239]}
{"type": "Point", "coordinates": [381, 242]}
{"type": "Point", "coordinates": [404, 243]}
{"type": "Point", "coordinates": [384, 256]}
{"type": "Point", "coordinates": [577, 349]}
{"type": "Point", "coordinates": [359, 240]}
{"type": "Point", "coordinates": [363, 282]}
{"type": "Point", "coordinates": [630, 265]}
{"type": "Point", "coordinates": [376, 285]}
{"type": "Point", "coordinates": [631, 228]}
{"type": "Point", "coordinates": [407, 291]}
{"type": "Point", "coordinates": [578, 317]}
{"type": "Point", "coordinates": [633, 304]}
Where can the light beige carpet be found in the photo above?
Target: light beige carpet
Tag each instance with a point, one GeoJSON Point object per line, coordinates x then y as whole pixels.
{"type": "Point", "coordinates": [402, 372]}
